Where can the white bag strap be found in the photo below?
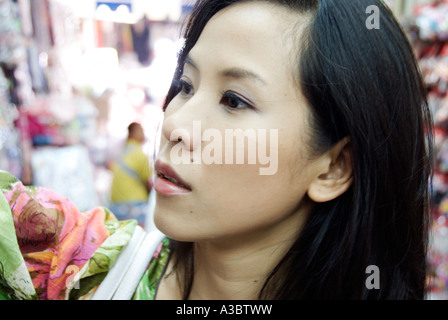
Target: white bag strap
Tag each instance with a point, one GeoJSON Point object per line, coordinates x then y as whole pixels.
{"type": "Point", "coordinates": [124, 277]}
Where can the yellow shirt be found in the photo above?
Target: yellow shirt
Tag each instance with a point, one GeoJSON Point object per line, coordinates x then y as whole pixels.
{"type": "Point", "coordinates": [131, 172]}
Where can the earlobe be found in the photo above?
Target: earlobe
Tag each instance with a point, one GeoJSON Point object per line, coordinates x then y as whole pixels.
{"type": "Point", "coordinates": [335, 174]}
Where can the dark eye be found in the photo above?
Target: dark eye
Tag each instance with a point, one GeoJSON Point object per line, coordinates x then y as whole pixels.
{"type": "Point", "coordinates": [184, 88]}
{"type": "Point", "coordinates": [233, 101]}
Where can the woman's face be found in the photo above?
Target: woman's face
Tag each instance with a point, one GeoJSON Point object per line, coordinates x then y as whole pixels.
{"type": "Point", "coordinates": [239, 75]}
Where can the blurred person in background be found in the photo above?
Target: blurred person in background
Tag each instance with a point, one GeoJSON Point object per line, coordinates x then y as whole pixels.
{"type": "Point", "coordinates": [131, 178]}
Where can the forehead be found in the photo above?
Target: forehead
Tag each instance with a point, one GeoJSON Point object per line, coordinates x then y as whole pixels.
{"type": "Point", "coordinates": [254, 30]}
{"type": "Point", "coordinates": [258, 17]}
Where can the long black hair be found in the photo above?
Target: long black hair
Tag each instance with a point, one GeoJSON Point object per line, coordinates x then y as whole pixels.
{"type": "Point", "coordinates": [363, 84]}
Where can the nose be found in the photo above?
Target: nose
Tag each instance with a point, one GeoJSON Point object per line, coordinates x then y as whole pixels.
{"type": "Point", "coordinates": [178, 127]}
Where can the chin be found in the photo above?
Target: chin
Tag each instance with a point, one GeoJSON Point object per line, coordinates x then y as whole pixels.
{"type": "Point", "coordinates": [172, 229]}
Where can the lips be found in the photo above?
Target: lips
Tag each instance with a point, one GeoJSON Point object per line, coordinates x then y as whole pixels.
{"type": "Point", "coordinates": [168, 181]}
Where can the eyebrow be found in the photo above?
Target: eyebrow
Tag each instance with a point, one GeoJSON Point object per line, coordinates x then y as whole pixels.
{"type": "Point", "coordinates": [235, 73]}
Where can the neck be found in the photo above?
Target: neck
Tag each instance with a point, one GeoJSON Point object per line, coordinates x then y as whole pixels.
{"type": "Point", "coordinates": [237, 267]}
{"type": "Point", "coordinates": [239, 271]}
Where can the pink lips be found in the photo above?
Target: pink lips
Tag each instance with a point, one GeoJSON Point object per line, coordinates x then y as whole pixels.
{"type": "Point", "coordinates": [168, 181]}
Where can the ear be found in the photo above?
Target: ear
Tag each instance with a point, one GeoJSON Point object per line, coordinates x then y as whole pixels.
{"type": "Point", "coordinates": [335, 173]}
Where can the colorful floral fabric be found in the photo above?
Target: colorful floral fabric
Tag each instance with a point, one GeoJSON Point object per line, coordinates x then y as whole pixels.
{"type": "Point", "coordinates": [51, 250]}
{"type": "Point", "coordinates": [147, 287]}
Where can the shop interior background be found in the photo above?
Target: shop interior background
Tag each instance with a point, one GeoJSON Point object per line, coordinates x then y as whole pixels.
{"type": "Point", "coordinates": [75, 73]}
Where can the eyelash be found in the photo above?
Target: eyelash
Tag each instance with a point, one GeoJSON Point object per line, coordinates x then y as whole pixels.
{"type": "Point", "coordinates": [183, 87]}
{"type": "Point", "coordinates": [228, 98]}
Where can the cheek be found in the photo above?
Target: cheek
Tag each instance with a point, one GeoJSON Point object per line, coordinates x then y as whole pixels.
{"type": "Point", "coordinates": [239, 194]}
{"type": "Point", "coordinates": [256, 148]}
{"type": "Point", "coordinates": [258, 166]}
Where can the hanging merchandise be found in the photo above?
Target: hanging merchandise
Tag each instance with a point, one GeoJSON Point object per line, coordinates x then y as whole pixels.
{"type": "Point", "coordinates": [430, 38]}
{"type": "Point", "coordinates": [12, 47]}
{"type": "Point", "coordinates": [13, 88]}
{"type": "Point", "coordinates": [68, 171]}
{"type": "Point", "coordinates": [432, 20]}
{"type": "Point", "coordinates": [13, 53]}
{"type": "Point", "coordinates": [10, 156]}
